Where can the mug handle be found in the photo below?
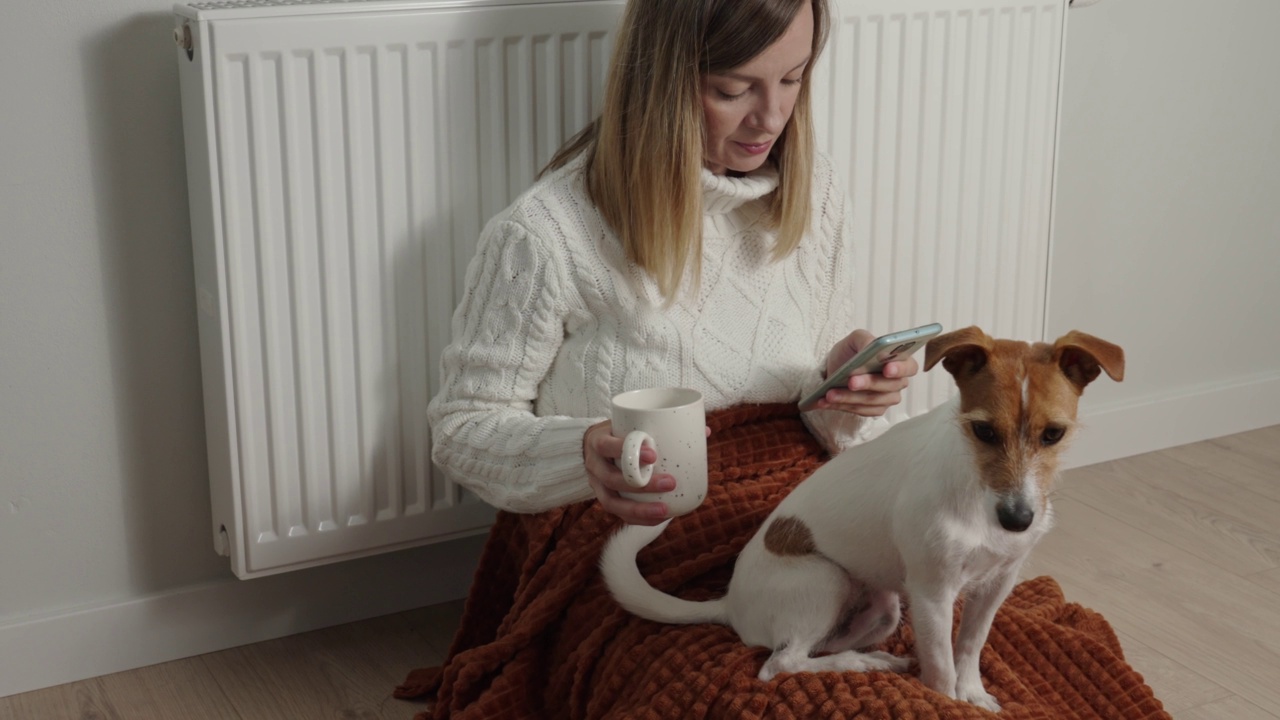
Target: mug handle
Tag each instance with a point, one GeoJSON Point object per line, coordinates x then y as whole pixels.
{"type": "Point", "coordinates": [633, 472]}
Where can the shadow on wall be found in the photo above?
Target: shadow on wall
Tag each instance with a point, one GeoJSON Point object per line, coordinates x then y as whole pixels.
{"type": "Point", "coordinates": [140, 197]}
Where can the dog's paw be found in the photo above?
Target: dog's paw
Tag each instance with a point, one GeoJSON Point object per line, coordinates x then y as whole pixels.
{"type": "Point", "coordinates": [884, 661]}
{"type": "Point", "coordinates": [977, 695]}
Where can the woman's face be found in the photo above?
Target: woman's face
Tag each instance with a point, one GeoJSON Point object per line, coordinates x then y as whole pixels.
{"type": "Point", "coordinates": [746, 108]}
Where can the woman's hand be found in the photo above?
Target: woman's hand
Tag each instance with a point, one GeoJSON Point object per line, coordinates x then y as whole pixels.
{"type": "Point", "coordinates": [871, 394]}
{"type": "Point", "coordinates": [600, 450]}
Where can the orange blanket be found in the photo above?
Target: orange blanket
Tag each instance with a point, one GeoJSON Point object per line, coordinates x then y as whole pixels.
{"type": "Point", "coordinates": [541, 636]}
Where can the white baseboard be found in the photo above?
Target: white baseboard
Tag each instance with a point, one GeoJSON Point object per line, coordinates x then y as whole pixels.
{"type": "Point", "coordinates": [1154, 423]}
{"type": "Point", "coordinates": [88, 642]}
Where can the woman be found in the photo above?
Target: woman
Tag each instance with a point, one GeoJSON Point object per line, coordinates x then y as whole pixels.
{"type": "Point", "coordinates": [689, 237]}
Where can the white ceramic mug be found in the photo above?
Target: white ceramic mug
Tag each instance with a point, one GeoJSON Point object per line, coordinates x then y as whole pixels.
{"type": "Point", "coordinates": [672, 422]}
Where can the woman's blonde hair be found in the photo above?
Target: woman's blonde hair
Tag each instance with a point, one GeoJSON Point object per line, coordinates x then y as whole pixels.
{"type": "Point", "coordinates": [645, 151]}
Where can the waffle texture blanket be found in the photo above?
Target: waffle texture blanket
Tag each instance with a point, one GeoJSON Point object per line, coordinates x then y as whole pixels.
{"type": "Point", "coordinates": [542, 638]}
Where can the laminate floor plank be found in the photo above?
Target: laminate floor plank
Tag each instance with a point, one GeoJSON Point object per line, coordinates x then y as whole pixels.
{"type": "Point", "coordinates": [1231, 708]}
{"type": "Point", "coordinates": [1178, 687]}
{"type": "Point", "coordinates": [1184, 607]}
{"type": "Point", "coordinates": [1261, 445]}
{"type": "Point", "coordinates": [1250, 459]}
{"type": "Point", "coordinates": [438, 624]}
{"type": "Point", "coordinates": [1220, 520]}
{"type": "Point", "coordinates": [348, 671]}
{"type": "Point", "coordinates": [179, 689]}
{"type": "Point", "coordinates": [1269, 579]}
{"type": "Point", "coordinates": [71, 701]}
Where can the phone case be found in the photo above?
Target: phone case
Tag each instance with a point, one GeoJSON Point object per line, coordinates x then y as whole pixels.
{"type": "Point", "coordinates": [872, 358]}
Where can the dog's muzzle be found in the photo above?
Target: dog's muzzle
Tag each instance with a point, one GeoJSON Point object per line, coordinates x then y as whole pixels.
{"type": "Point", "coordinates": [1014, 514]}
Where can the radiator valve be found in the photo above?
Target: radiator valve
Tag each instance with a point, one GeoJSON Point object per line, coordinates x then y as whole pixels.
{"type": "Point", "coordinates": [182, 36]}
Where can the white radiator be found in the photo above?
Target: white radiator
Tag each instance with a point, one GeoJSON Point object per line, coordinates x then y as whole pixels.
{"type": "Point", "coordinates": [943, 115]}
{"type": "Point", "coordinates": [343, 157]}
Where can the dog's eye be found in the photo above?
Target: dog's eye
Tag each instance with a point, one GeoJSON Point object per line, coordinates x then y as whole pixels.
{"type": "Point", "coordinates": [1052, 435]}
{"type": "Point", "coordinates": [986, 433]}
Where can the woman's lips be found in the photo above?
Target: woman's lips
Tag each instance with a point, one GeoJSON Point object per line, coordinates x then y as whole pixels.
{"type": "Point", "coordinates": [755, 148]}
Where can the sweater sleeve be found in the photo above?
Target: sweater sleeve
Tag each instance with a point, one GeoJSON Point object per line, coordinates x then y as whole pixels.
{"type": "Point", "coordinates": [835, 311]}
{"type": "Point", "coordinates": [506, 333]}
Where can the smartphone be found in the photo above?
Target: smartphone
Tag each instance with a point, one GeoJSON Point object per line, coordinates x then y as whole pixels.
{"type": "Point", "coordinates": [872, 358]}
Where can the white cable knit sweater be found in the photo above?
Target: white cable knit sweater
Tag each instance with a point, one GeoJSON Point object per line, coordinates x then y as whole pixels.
{"type": "Point", "coordinates": [555, 322]}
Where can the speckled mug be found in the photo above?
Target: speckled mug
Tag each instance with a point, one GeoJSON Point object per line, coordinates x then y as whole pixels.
{"type": "Point", "coordinates": [672, 422]}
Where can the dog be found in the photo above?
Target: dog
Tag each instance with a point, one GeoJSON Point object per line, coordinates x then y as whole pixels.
{"type": "Point", "coordinates": [947, 503]}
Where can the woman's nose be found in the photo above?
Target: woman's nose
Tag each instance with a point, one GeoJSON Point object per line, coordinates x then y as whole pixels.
{"type": "Point", "coordinates": [770, 113]}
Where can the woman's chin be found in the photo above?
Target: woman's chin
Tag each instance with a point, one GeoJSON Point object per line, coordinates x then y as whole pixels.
{"type": "Point", "coordinates": [737, 165]}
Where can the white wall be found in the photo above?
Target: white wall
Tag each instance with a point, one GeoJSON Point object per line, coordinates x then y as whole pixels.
{"type": "Point", "coordinates": [1166, 235]}
{"type": "Point", "coordinates": [104, 505]}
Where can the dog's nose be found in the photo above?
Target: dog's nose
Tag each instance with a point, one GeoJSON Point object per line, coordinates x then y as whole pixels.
{"type": "Point", "coordinates": [1015, 516]}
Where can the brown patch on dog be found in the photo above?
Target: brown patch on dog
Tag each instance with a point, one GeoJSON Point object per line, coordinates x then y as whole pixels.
{"type": "Point", "coordinates": [1053, 400]}
{"type": "Point", "coordinates": [789, 536]}
{"type": "Point", "coordinates": [1018, 400]}
{"type": "Point", "coordinates": [992, 397]}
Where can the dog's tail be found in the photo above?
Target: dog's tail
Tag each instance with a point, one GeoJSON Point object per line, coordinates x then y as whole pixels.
{"type": "Point", "coordinates": [633, 592]}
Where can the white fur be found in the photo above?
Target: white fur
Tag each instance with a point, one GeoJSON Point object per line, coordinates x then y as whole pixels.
{"type": "Point", "coordinates": [905, 513]}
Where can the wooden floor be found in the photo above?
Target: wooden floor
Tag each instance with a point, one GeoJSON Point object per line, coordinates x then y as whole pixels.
{"type": "Point", "coordinates": [1179, 549]}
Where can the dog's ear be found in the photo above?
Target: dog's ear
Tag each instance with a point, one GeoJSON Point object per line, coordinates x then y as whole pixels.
{"type": "Point", "coordinates": [962, 352]}
{"type": "Point", "coordinates": [1082, 357]}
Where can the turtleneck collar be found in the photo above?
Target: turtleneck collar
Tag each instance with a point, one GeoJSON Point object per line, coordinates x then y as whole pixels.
{"type": "Point", "coordinates": [723, 194]}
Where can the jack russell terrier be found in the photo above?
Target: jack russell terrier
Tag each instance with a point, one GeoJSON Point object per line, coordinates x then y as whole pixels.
{"type": "Point", "coordinates": [944, 504]}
